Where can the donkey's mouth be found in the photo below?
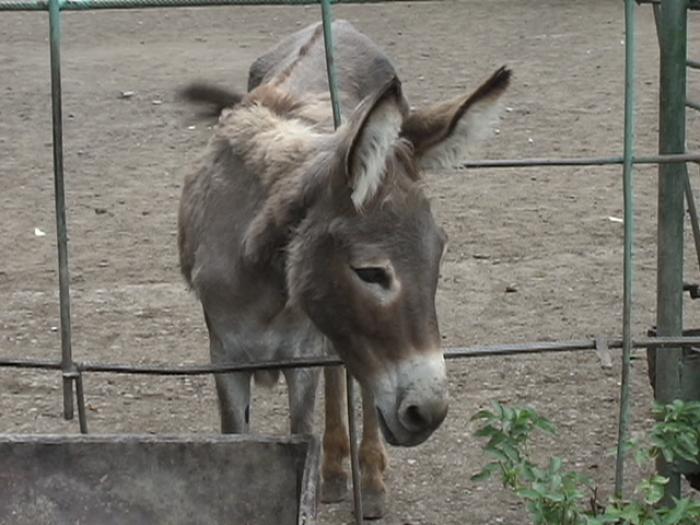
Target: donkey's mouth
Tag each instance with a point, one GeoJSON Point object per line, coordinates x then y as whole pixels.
{"type": "Point", "coordinates": [405, 438]}
{"type": "Point", "coordinates": [388, 434]}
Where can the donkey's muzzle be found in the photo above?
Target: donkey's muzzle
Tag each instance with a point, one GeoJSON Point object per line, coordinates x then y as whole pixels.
{"type": "Point", "coordinates": [420, 417]}
{"type": "Point", "coordinates": [414, 402]}
{"type": "Point", "coordinates": [424, 423]}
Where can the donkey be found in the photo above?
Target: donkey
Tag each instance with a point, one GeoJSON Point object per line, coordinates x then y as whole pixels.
{"type": "Point", "coordinates": [301, 240]}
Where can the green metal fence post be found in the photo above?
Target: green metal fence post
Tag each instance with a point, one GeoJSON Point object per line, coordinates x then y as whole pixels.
{"type": "Point", "coordinates": [59, 194]}
{"type": "Point", "coordinates": [327, 17]}
{"type": "Point", "coordinates": [630, 44]}
{"type": "Point", "coordinates": [673, 42]}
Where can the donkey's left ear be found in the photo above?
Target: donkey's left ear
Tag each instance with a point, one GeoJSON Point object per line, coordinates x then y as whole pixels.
{"type": "Point", "coordinates": [373, 131]}
{"type": "Point", "coordinates": [441, 133]}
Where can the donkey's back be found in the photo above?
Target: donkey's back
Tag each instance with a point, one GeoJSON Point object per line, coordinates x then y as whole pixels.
{"type": "Point", "coordinates": [361, 66]}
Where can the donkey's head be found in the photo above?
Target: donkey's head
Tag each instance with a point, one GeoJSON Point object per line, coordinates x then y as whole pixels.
{"type": "Point", "coordinates": [364, 261]}
{"type": "Point", "coordinates": [363, 249]}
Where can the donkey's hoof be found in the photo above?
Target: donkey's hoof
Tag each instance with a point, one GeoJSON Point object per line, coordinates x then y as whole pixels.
{"type": "Point", "coordinates": [373, 504]}
{"type": "Point", "coordinates": [334, 489]}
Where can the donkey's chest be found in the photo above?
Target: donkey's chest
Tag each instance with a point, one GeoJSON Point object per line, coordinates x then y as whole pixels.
{"type": "Point", "coordinates": [285, 336]}
{"type": "Point", "coordinates": [295, 337]}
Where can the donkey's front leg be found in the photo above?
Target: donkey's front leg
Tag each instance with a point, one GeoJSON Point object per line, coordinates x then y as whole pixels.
{"type": "Point", "coordinates": [373, 460]}
{"type": "Point", "coordinates": [234, 401]}
{"type": "Point", "coordinates": [336, 444]}
{"type": "Point", "coordinates": [301, 384]}
{"type": "Point", "coordinates": [233, 389]}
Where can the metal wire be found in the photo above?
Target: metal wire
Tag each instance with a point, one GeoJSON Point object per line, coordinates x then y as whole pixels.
{"type": "Point", "coordinates": [503, 350]}
{"type": "Point", "coordinates": [693, 105]}
{"type": "Point", "coordinates": [86, 5]}
{"type": "Point", "coordinates": [79, 369]}
{"type": "Point", "coordinates": [581, 161]}
{"type": "Point", "coordinates": [691, 4]}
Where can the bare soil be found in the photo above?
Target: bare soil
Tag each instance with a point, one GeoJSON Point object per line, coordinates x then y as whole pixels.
{"type": "Point", "coordinates": [535, 254]}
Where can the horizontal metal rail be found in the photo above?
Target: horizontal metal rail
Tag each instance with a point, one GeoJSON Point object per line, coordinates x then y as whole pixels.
{"type": "Point", "coordinates": [581, 161]}
{"type": "Point", "coordinates": [693, 105]}
{"type": "Point", "coordinates": [450, 353]}
{"type": "Point", "coordinates": [692, 4]}
{"type": "Point", "coordinates": [693, 64]}
{"type": "Point", "coordinates": [80, 5]}
{"type": "Point", "coordinates": [86, 5]}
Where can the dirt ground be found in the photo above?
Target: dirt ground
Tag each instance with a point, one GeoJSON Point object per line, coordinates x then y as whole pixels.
{"type": "Point", "coordinates": [549, 234]}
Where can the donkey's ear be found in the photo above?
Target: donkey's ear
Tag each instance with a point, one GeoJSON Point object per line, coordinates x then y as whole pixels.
{"type": "Point", "coordinates": [373, 130]}
{"type": "Point", "coordinates": [441, 133]}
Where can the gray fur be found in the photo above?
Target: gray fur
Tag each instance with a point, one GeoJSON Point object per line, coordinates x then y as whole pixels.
{"type": "Point", "coordinates": [274, 244]}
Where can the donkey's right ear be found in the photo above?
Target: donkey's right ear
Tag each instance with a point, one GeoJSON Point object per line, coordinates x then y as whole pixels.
{"type": "Point", "coordinates": [440, 134]}
{"type": "Point", "coordinates": [373, 130]}
{"type": "Point", "coordinates": [214, 98]}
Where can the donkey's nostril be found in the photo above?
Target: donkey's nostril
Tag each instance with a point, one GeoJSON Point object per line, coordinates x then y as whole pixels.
{"type": "Point", "coordinates": [417, 417]}
{"type": "Point", "coordinates": [414, 419]}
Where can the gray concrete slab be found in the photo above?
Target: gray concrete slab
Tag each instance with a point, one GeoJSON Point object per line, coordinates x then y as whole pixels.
{"type": "Point", "coordinates": [149, 479]}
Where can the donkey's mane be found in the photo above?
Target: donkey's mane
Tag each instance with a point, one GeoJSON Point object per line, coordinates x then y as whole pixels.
{"type": "Point", "coordinates": [286, 140]}
{"type": "Point", "coordinates": [286, 152]}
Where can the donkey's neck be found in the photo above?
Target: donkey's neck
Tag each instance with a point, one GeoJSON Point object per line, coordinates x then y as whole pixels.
{"type": "Point", "coordinates": [272, 146]}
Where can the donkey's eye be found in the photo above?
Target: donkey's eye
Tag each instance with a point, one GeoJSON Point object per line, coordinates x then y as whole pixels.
{"type": "Point", "coordinates": [374, 275]}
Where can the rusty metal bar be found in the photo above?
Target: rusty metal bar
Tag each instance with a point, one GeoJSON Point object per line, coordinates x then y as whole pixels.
{"type": "Point", "coordinates": [327, 20]}
{"type": "Point", "coordinates": [581, 161]}
{"type": "Point", "coordinates": [693, 213]}
{"type": "Point", "coordinates": [692, 105]}
{"type": "Point", "coordinates": [691, 4]}
{"type": "Point", "coordinates": [503, 350]}
{"type": "Point", "coordinates": [60, 200]}
{"type": "Point", "coordinates": [80, 398]}
{"type": "Point", "coordinates": [354, 458]}
{"type": "Point", "coordinates": [90, 5]}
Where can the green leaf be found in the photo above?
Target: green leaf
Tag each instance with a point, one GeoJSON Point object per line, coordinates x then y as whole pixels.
{"type": "Point", "coordinates": [511, 452]}
{"type": "Point", "coordinates": [498, 455]}
{"type": "Point", "coordinates": [555, 464]}
{"type": "Point", "coordinates": [530, 494]}
{"type": "Point", "coordinates": [546, 425]}
{"type": "Point", "coordinates": [556, 496]}
{"type": "Point", "coordinates": [483, 414]}
{"type": "Point", "coordinates": [676, 513]}
{"type": "Point", "coordinates": [485, 473]}
{"type": "Point", "coordinates": [486, 431]}
{"type": "Point", "coordinates": [652, 489]}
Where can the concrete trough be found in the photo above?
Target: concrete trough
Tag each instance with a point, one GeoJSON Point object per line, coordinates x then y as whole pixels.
{"type": "Point", "coordinates": [152, 479]}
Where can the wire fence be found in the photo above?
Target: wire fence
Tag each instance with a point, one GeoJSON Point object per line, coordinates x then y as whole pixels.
{"type": "Point", "coordinates": [600, 345]}
{"type": "Point", "coordinates": [72, 371]}
{"type": "Point", "coordinates": [89, 5]}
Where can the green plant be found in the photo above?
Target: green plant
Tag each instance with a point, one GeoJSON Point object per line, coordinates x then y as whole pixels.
{"type": "Point", "coordinates": [555, 496]}
{"type": "Point", "coordinates": [676, 436]}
